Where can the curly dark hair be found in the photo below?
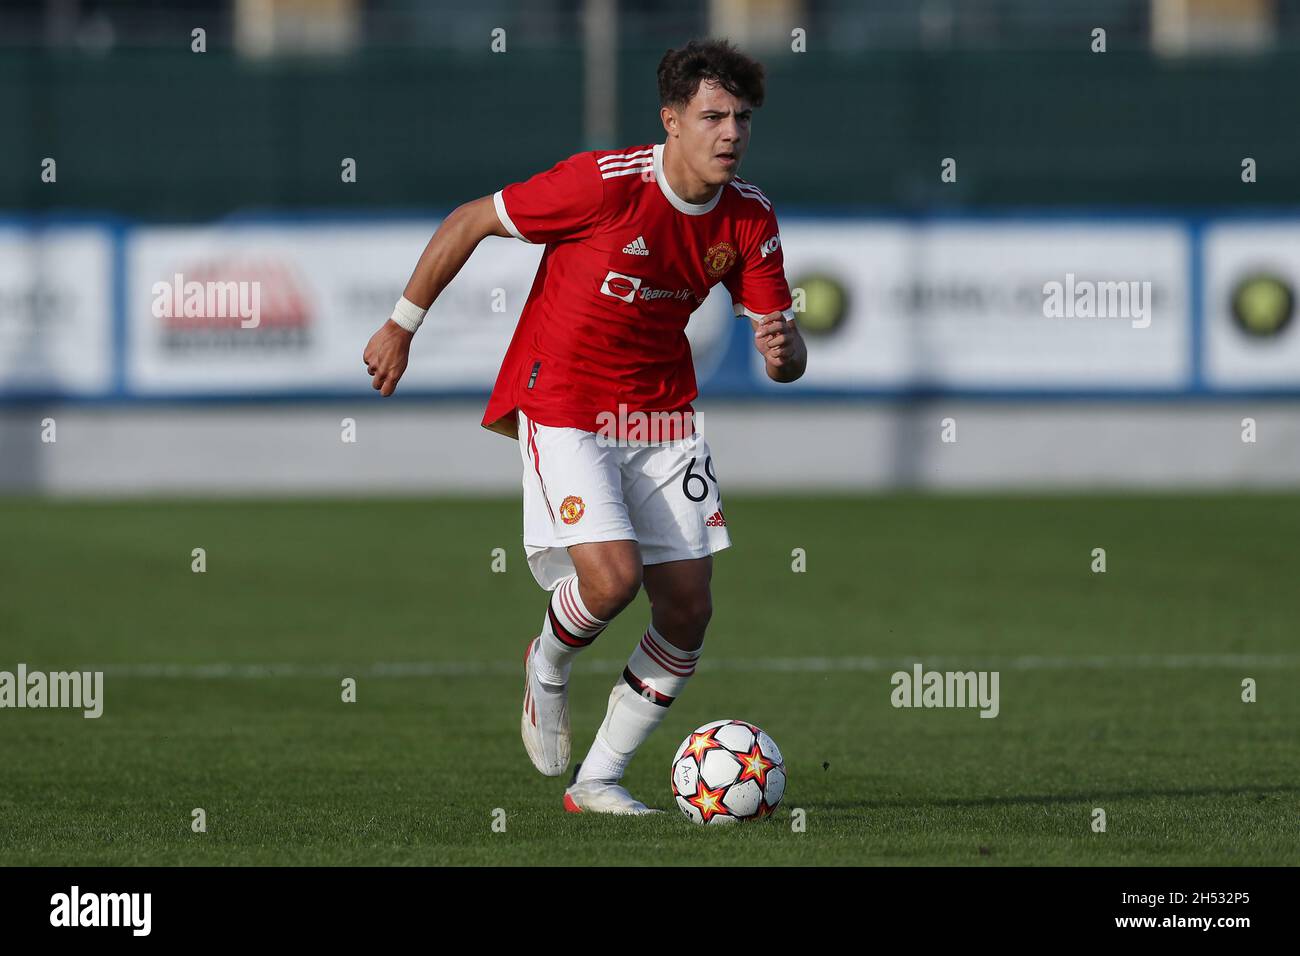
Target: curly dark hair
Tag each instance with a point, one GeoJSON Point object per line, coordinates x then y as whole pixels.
{"type": "Point", "coordinates": [680, 72]}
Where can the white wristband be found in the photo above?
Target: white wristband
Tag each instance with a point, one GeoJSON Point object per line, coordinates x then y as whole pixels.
{"type": "Point", "coordinates": [407, 314]}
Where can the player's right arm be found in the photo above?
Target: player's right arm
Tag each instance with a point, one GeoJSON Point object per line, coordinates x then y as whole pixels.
{"type": "Point", "coordinates": [563, 203]}
{"type": "Point", "coordinates": [448, 250]}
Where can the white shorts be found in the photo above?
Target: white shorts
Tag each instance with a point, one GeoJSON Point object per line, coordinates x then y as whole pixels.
{"type": "Point", "coordinates": [665, 497]}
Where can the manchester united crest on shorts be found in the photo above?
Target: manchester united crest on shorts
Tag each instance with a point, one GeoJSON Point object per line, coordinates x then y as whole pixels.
{"type": "Point", "coordinates": [720, 257]}
{"type": "Point", "coordinates": [571, 509]}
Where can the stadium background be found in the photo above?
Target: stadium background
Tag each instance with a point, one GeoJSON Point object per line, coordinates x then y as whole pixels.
{"type": "Point", "coordinates": [1118, 165]}
{"type": "Point", "coordinates": [924, 304]}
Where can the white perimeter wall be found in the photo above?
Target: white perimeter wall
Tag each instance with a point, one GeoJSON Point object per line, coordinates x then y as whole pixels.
{"type": "Point", "coordinates": [278, 449]}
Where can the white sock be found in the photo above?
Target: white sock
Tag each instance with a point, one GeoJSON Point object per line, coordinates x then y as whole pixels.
{"type": "Point", "coordinates": [567, 629]}
{"type": "Point", "coordinates": [655, 676]}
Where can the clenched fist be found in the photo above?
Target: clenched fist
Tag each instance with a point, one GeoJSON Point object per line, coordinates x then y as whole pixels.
{"type": "Point", "coordinates": [781, 345]}
{"type": "Point", "coordinates": [386, 356]}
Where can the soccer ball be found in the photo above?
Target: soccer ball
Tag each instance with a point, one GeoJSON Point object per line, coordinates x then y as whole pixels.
{"type": "Point", "coordinates": [726, 771]}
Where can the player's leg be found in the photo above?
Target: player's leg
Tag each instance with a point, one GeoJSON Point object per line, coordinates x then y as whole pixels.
{"type": "Point", "coordinates": [657, 672]}
{"type": "Point", "coordinates": [610, 568]}
{"type": "Point", "coordinates": [581, 547]}
{"type": "Point", "coordinates": [673, 498]}
{"type": "Point", "coordinates": [681, 604]}
{"type": "Point", "coordinates": [606, 579]}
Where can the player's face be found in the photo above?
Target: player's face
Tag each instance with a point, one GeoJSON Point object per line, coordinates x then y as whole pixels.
{"type": "Point", "coordinates": [713, 133]}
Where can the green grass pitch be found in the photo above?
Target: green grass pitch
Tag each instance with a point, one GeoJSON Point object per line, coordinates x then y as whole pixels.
{"type": "Point", "coordinates": [1119, 690]}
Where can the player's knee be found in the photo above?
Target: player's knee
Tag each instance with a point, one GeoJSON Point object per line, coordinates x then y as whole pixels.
{"type": "Point", "coordinates": [613, 588]}
{"type": "Point", "coordinates": [700, 610]}
{"type": "Point", "coordinates": [687, 614]}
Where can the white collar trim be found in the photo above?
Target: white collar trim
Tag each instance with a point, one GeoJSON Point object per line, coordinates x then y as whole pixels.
{"type": "Point", "coordinates": [678, 203]}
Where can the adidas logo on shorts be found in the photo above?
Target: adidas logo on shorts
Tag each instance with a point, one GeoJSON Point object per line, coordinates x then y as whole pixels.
{"type": "Point", "coordinates": [716, 520]}
{"type": "Point", "coordinates": [637, 247]}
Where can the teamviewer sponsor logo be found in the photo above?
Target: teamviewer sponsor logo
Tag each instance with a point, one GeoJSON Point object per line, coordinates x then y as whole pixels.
{"type": "Point", "coordinates": [75, 908]}
{"type": "Point", "coordinates": [620, 286]}
{"type": "Point", "coordinates": [681, 295]}
{"type": "Point", "coordinates": [72, 689]}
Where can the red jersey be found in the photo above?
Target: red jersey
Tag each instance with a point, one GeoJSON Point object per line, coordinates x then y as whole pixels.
{"type": "Point", "coordinates": [626, 263]}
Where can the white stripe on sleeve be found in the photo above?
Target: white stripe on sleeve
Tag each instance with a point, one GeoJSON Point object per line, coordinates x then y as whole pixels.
{"type": "Point", "coordinates": [605, 161]}
{"type": "Point", "coordinates": [627, 172]}
{"type": "Point", "coordinates": [741, 310]}
{"type": "Point", "coordinates": [499, 202]}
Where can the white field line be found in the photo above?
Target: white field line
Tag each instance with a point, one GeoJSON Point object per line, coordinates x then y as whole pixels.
{"type": "Point", "coordinates": [804, 665]}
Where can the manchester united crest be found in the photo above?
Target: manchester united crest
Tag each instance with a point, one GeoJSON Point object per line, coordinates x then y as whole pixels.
{"type": "Point", "coordinates": [571, 509]}
{"type": "Point", "coordinates": [720, 257]}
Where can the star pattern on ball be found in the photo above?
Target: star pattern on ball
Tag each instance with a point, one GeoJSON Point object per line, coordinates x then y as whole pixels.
{"type": "Point", "coordinates": [699, 744]}
{"type": "Point", "coordinates": [753, 765]}
{"type": "Point", "coordinates": [708, 802]}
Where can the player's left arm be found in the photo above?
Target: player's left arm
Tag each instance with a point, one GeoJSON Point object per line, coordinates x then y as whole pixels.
{"type": "Point", "coordinates": [759, 290]}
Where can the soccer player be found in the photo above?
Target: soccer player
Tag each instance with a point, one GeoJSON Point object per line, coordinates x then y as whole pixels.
{"type": "Point", "coordinates": [619, 489]}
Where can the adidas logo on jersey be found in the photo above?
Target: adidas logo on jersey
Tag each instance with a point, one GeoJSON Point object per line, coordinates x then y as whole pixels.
{"type": "Point", "coordinates": [716, 521]}
{"type": "Point", "coordinates": [637, 247]}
